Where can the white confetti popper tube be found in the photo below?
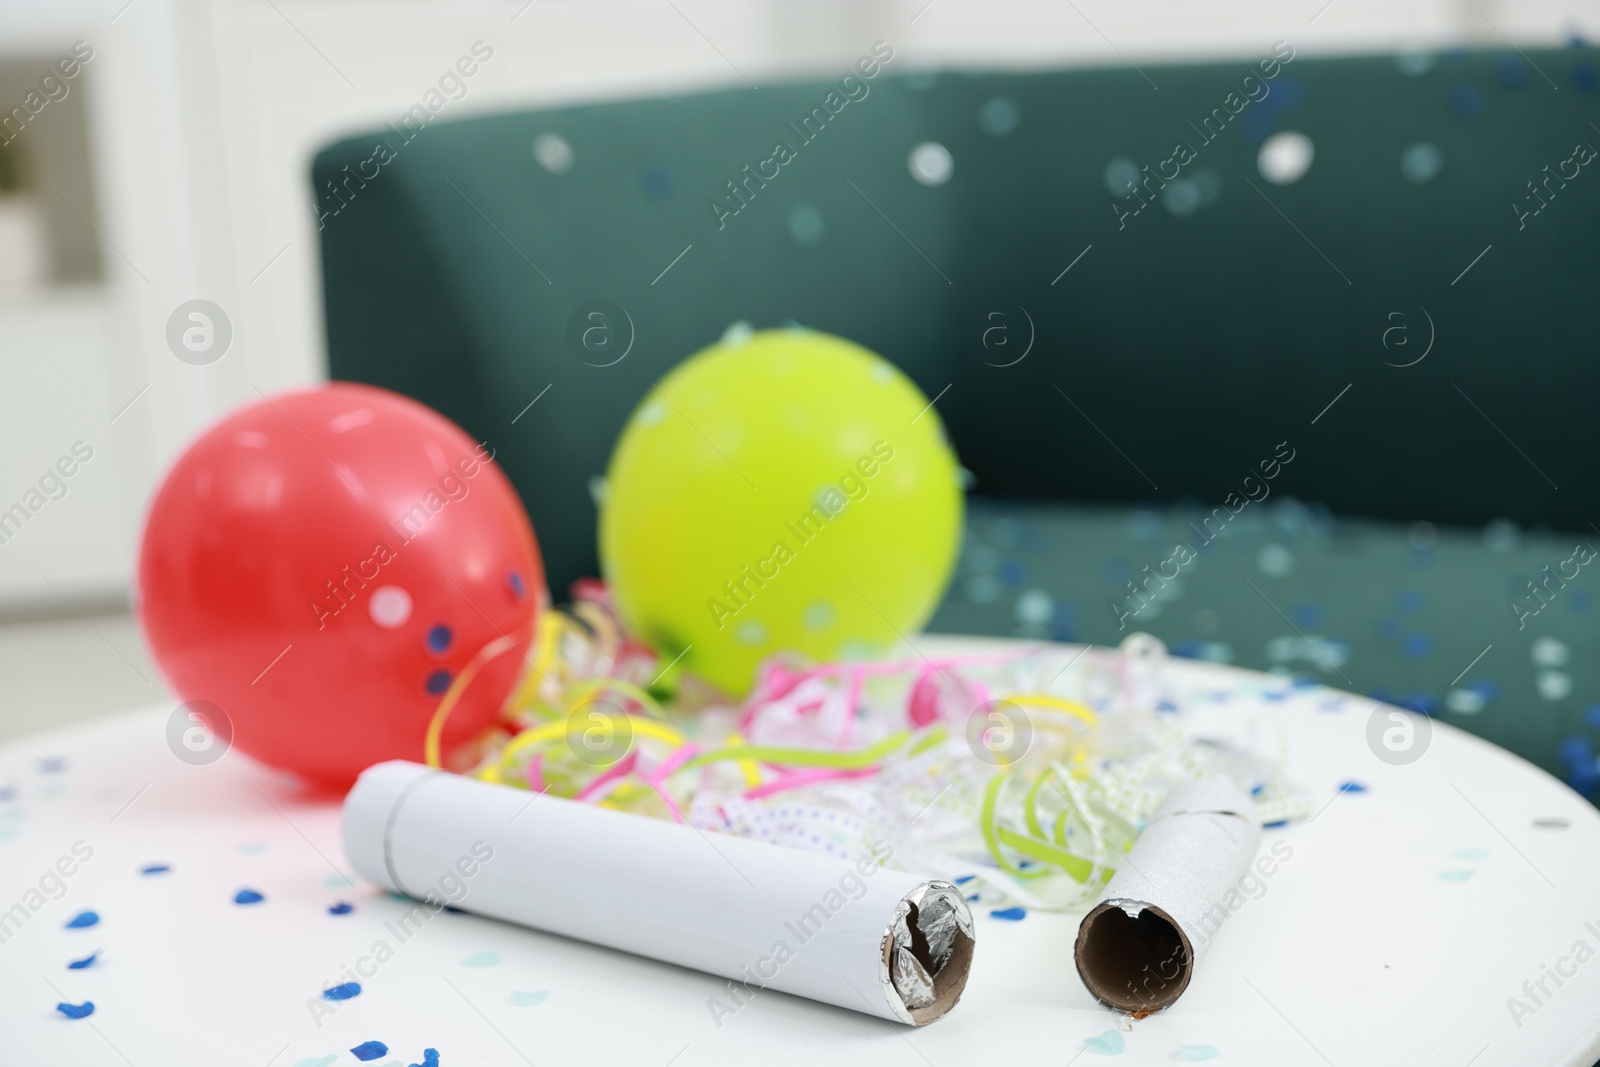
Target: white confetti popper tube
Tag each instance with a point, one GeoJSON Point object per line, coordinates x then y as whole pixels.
{"type": "Point", "coordinates": [856, 935]}
{"type": "Point", "coordinates": [1137, 949]}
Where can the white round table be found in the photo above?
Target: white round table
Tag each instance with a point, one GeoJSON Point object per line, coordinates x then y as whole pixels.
{"type": "Point", "coordinates": [1413, 918]}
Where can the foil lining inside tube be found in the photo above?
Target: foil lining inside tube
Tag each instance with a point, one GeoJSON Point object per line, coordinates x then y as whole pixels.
{"type": "Point", "coordinates": [927, 953]}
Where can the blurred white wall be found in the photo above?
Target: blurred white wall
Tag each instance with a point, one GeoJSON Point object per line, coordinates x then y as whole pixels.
{"type": "Point", "coordinates": [199, 119]}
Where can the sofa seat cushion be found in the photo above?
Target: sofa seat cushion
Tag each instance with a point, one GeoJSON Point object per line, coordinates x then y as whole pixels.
{"type": "Point", "coordinates": [1490, 629]}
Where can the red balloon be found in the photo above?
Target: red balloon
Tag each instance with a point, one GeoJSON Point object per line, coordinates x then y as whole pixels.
{"type": "Point", "coordinates": [322, 564]}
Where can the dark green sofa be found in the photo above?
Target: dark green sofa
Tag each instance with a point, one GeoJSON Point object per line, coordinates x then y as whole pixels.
{"type": "Point", "coordinates": [1412, 321]}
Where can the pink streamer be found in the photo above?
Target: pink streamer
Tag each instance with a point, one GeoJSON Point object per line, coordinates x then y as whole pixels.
{"type": "Point", "coordinates": [806, 776]}
{"type": "Point", "coordinates": [620, 769]}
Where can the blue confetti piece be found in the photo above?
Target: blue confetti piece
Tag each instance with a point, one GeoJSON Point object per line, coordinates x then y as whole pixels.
{"type": "Point", "coordinates": [83, 920]}
{"type": "Point", "coordinates": [370, 1050]}
{"type": "Point", "coordinates": [343, 991]}
{"type": "Point", "coordinates": [963, 879]}
{"type": "Point", "coordinates": [1486, 689]}
{"type": "Point", "coordinates": [972, 899]}
{"type": "Point", "coordinates": [1307, 616]}
{"type": "Point", "coordinates": [248, 896]}
{"type": "Point", "coordinates": [341, 908]}
{"type": "Point", "coordinates": [1455, 876]}
{"type": "Point", "coordinates": [1592, 716]}
{"type": "Point", "coordinates": [528, 1000]}
{"type": "Point", "coordinates": [1470, 854]}
{"type": "Point", "coordinates": [481, 959]}
{"type": "Point", "coordinates": [1510, 72]}
{"type": "Point", "coordinates": [657, 181]}
{"type": "Point", "coordinates": [1465, 101]}
{"type": "Point", "coordinates": [76, 1011]}
{"type": "Point", "coordinates": [1576, 750]}
{"type": "Point", "coordinates": [53, 765]}
{"type": "Point", "coordinates": [1421, 703]}
{"type": "Point", "coordinates": [1274, 825]}
{"type": "Point", "coordinates": [1013, 573]}
{"type": "Point", "coordinates": [1579, 601]}
{"type": "Point", "coordinates": [1416, 646]}
{"type": "Point", "coordinates": [1389, 629]}
{"type": "Point", "coordinates": [1109, 1043]}
{"type": "Point", "coordinates": [1288, 95]}
{"type": "Point", "coordinates": [317, 1061]}
{"type": "Point", "coordinates": [1258, 124]}
{"type": "Point", "coordinates": [87, 961]}
{"type": "Point", "coordinates": [1257, 789]}
{"type": "Point", "coordinates": [9, 793]}
{"type": "Point", "coordinates": [154, 868]}
{"type": "Point", "coordinates": [518, 589]}
{"type": "Point", "coordinates": [1196, 1053]}
{"type": "Point", "coordinates": [439, 638]}
{"type": "Point", "coordinates": [437, 682]}
{"type": "Point", "coordinates": [1408, 602]}
{"type": "Point", "coordinates": [1010, 915]}
{"type": "Point", "coordinates": [1352, 786]}
{"type": "Point", "coordinates": [430, 1058]}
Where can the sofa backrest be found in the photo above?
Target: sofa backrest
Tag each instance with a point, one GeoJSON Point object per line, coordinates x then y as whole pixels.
{"type": "Point", "coordinates": [1432, 276]}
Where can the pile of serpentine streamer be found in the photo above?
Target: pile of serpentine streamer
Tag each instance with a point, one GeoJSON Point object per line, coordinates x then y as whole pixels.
{"type": "Point", "coordinates": [1027, 770]}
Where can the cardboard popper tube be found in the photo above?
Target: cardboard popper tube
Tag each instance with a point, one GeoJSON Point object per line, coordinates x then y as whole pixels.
{"type": "Point", "coordinates": [857, 935]}
{"type": "Point", "coordinates": [1137, 949]}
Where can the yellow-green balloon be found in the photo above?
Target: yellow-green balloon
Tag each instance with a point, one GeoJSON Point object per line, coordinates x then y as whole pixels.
{"type": "Point", "coordinates": [786, 490]}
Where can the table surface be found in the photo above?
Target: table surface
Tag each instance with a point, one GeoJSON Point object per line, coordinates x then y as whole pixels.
{"type": "Point", "coordinates": [1409, 915]}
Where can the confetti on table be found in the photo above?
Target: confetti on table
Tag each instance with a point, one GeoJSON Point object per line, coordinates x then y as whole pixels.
{"type": "Point", "coordinates": [341, 908]}
{"type": "Point", "coordinates": [1471, 853]}
{"type": "Point", "coordinates": [82, 920]}
{"type": "Point", "coordinates": [342, 992]}
{"type": "Point", "coordinates": [1352, 786]}
{"type": "Point", "coordinates": [370, 1050]}
{"type": "Point", "coordinates": [76, 1011]}
{"type": "Point", "coordinates": [248, 896]}
{"type": "Point", "coordinates": [154, 868]}
{"type": "Point", "coordinates": [317, 1061]}
{"type": "Point", "coordinates": [430, 1058]}
{"type": "Point", "coordinates": [1195, 1053]}
{"type": "Point", "coordinates": [1008, 914]}
{"type": "Point", "coordinates": [481, 959]}
{"type": "Point", "coordinates": [87, 961]}
{"type": "Point", "coordinates": [1109, 1043]}
{"type": "Point", "coordinates": [528, 1000]}
{"type": "Point", "coordinates": [53, 765]}
{"type": "Point", "coordinates": [1455, 876]}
